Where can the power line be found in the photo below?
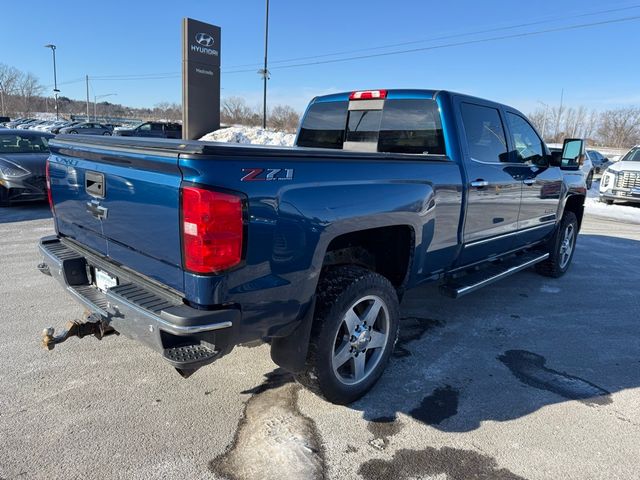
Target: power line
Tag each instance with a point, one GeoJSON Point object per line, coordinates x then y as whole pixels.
{"type": "Point", "coordinates": [445, 37]}
{"type": "Point", "coordinates": [449, 45]}
{"type": "Point", "coordinates": [170, 75]}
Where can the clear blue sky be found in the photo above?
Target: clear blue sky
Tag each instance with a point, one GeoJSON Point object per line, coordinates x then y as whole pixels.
{"type": "Point", "coordinates": [596, 66]}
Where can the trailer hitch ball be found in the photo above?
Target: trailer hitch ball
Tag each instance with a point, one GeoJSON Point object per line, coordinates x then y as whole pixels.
{"type": "Point", "coordinates": [76, 328]}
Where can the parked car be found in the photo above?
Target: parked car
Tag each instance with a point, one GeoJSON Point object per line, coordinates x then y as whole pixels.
{"type": "Point", "coordinates": [621, 180]}
{"type": "Point", "coordinates": [598, 160]}
{"type": "Point", "coordinates": [26, 124]}
{"type": "Point", "coordinates": [23, 155]}
{"type": "Point", "coordinates": [87, 128]}
{"type": "Point", "coordinates": [56, 129]}
{"type": "Point", "coordinates": [195, 247]}
{"type": "Point", "coordinates": [151, 129]}
{"type": "Point", "coordinates": [15, 122]}
{"type": "Point", "coordinates": [53, 125]}
{"type": "Point", "coordinates": [586, 166]}
{"type": "Point", "coordinates": [4, 120]}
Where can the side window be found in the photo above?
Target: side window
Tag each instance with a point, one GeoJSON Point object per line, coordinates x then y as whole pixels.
{"type": "Point", "coordinates": [525, 139]}
{"type": "Point", "coordinates": [411, 126]}
{"type": "Point", "coordinates": [323, 125]}
{"type": "Point", "coordinates": [145, 128]}
{"type": "Point", "coordinates": [156, 127]}
{"type": "Point", "coordinates": [485, 133]}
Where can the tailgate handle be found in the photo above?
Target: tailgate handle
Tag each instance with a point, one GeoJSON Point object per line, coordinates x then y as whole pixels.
{"type": "Point", "coordinates": [94, 184]}
{"type": "Point", "coordinates": [97, 210]}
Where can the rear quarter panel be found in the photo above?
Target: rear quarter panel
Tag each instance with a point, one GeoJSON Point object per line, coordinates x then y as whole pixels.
{"type": "Point", "coordinates": [290, 223]}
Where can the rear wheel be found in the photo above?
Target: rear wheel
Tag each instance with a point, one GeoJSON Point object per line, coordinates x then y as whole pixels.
{"type": "Point", "coordinates": [106, 134]}
{"type": "Point", "coordinates": [561, 248]}
{"type": "Point", "coordinates": [74, 132]}
{"type": "Point", "coordinates": [354, 331]}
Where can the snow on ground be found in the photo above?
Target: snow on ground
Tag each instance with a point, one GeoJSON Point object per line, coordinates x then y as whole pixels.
{"type": "Point", "coordinates": [624, 212]}
{"type": "Point", "coordinates": [250, 135]}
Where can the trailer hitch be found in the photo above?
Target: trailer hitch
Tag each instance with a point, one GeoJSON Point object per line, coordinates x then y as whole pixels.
{"type": "Point", "coordinates": [92, 325]}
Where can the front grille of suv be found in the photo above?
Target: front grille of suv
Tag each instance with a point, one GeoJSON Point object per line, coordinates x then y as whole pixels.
{"type": "Point", "coordinates": [628, 180]}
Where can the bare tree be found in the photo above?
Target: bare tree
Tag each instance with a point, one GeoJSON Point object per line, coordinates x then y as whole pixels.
{"type": "Point", "coordinates": [236, 111]}
{"type": "Point", "coordinates": [8, 83]}
{"type": "Point", "coordinates": [285, 118]}
{"type": "Point", "coordinates": [28, 89]}
{"type": "Point", "coordinates": [620, 128]}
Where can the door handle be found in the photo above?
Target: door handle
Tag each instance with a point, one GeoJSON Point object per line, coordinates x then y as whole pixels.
{"type": "Point", "coordinates": [529, 181]}
{"type": "Point", "coordinates": [479, 183]}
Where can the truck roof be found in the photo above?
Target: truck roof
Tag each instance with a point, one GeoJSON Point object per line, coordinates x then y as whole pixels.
{"type": "Point", "coordinates": [394, 94]}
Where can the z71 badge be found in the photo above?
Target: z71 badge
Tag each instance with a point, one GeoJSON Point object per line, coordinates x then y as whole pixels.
{"type": "Point", "coordinates": [266, 174]}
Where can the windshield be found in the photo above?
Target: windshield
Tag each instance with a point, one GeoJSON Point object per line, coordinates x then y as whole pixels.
{"type": "Point", "coordinates": [23, 144]}
{"type": "Point", "coordinates": [633, 155]}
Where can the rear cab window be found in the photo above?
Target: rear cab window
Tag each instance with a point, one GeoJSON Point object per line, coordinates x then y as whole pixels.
{"type": "Point", "coordinates": [405, 125]}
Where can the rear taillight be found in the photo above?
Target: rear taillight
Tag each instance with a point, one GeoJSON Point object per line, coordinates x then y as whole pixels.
{"type": "Point", "coordinates": [368, 95]}
{"type": "Point", "coordinates": [48, 177]}
{"type": "Point", "coordinates": [212, 230]}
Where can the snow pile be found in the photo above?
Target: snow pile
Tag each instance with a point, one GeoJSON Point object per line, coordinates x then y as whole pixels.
{"type": "Point", "coordinates": [624, 213]}
{"type": "Point", "coordinates": [250, 135]}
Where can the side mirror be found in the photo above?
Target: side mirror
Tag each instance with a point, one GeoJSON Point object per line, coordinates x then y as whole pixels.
{"type": "Point", "coordinates": [573, 154]}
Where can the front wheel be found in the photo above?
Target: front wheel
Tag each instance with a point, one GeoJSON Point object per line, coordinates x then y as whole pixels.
{"type": "Point", "coordinates": [354, 331]}
{"type": "Point", "coordinates": [106, 134]}
{"type": "Point", "coordinates": [561, 248]}
{"type": "Point", "coordinates": [73, 132]}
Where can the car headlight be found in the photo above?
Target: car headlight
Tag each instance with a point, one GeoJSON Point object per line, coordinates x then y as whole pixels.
{"type": "Point", "coordinates": [608, 178]}
{"type": "Point", "coordinates": [11, 170]}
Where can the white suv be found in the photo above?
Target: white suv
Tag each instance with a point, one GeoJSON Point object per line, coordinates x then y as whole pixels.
{"type": "Point", "coordinates": [621, 180]}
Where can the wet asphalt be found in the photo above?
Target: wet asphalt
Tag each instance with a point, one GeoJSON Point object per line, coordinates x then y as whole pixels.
{"type": "Point", "coordinates": [530, 378]}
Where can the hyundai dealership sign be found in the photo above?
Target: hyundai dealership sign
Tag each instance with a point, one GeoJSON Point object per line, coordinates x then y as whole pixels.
{"type": "Point", "coordinates": [200, 78]}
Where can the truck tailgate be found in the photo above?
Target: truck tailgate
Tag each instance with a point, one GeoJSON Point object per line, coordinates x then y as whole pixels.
{"type": "Point", "coordinates": [121, 203]}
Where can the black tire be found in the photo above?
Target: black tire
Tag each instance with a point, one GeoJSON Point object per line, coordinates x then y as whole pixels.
{"type": "Point", "coordinates": [73, 132]}
{"type": "Point", "coordinates": [4, 197]}
{"type": "Point", "coordinates": [106, 134]}
{"type": "Point", "coordinates": [590, 180]}
{"type": "Point", "coordinates": [607, 201]}
{"type": "Point", "coordinates": [340, 290]}
{"type": "Point", "coordinates": [558, 262]}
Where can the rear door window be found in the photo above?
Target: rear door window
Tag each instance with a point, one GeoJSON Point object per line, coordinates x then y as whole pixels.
{"type": "Point", "coordinates": [411, 126]}
{"type": "Point", "coordinates": [324, 125]}
{"type": "Point", "coordinates": [485, 133]}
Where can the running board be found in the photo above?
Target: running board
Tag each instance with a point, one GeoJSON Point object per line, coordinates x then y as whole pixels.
{"type": "Point", "coordinates": [457, 287]}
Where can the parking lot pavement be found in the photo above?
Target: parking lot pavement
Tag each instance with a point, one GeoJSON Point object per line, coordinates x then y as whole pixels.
{"type": "Point", "coordinates": [530, 378]}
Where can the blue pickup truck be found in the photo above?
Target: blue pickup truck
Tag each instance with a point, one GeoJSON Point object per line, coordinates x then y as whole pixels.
{"type": "Point", "coordinates": [194, 247]}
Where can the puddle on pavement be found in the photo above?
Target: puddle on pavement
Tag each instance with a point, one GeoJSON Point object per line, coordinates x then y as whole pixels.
{"type": "Point", "coordinates": [530, 369]}
{"type": "Point", "coordinates": [274, 440]}
{"type": "Point", "coordinates": [451, 463]}
{"type": "Point", "coordinates": [441, 404]}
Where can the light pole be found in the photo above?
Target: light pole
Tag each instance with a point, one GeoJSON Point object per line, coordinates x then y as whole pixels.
{"type": "Point", "coordinates": [95, 98]}
{"type": "Point", "coordinates": [264, 71]}
{"type": "Point", "coordinates": [55, 77]}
